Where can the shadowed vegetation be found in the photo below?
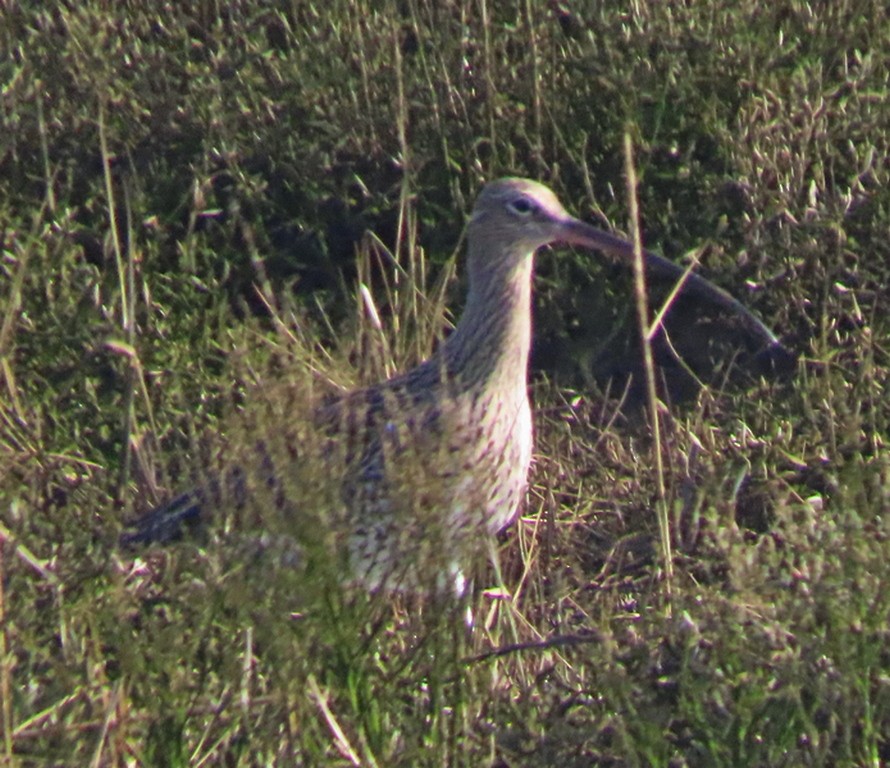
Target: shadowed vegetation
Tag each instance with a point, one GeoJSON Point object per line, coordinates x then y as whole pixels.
{"type": "Point", "coordinates": [190, 196]}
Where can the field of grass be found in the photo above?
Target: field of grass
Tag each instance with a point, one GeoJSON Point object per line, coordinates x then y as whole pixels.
{"type": "Point", "coordinates": [191, 195]}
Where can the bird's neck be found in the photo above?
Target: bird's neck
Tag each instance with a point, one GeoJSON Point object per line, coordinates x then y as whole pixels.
{"type": "Point", "coordinates": [490, 345]}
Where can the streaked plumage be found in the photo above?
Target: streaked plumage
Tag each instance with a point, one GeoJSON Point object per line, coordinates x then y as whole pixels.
{"type": "Point", "coordinates": [447, 445]}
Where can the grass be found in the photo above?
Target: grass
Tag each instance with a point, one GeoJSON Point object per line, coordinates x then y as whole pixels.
{"type": "Point", "coordinates": [201, 206]}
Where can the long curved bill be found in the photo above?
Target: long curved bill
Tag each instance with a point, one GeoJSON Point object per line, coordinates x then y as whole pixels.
{"type": "Point", "coordinates": [577, 232]}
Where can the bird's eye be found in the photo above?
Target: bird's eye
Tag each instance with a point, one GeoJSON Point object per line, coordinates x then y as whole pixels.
{"type": "Point", "coordinates": [522, 206]}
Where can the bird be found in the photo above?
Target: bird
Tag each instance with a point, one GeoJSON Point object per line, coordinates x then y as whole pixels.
{"type": "Point", "coordinates": [436, 459]}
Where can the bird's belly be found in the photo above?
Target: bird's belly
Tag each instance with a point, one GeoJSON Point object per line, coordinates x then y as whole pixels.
{"type": "Point", "coordinates": [429, 498]}
{"type": "Point", "coordinates": [493, 484]}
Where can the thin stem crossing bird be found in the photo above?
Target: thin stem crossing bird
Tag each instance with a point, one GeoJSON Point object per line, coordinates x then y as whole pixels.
{"type": "Point", "coordinates": [441, 453]}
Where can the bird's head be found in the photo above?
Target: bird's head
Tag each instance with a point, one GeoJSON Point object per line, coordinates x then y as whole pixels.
{"type": "Point", "coordinates": [514, 217]}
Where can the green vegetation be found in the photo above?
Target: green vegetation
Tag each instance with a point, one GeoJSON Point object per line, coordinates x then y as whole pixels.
{"type": "Point", "coordinates": [189, 196]}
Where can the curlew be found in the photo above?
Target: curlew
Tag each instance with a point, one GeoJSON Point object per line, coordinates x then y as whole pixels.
{"type": "Point", "coordinates": [437, 458]}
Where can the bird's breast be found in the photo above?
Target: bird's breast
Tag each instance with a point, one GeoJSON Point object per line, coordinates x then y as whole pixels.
{"type": "Point", "coordinates": [494, 451]}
